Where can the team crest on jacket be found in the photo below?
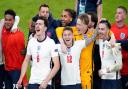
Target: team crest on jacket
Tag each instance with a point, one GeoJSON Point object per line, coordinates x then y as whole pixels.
{"type": "Point", "coordinates": [122, 35]}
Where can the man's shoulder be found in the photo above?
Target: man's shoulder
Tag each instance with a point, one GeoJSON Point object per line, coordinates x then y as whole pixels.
{"type": "Point", "coordinates": [49, 40]}
{"type": "Point", "coordinates": [19, 31]}
{"type": "Point", "coordinates": [126, 25]}
{"type": "Point", "coordinates": [113, 26]}
{"type": "Point", "coordinates": [58, 46]}
{"type": "Point", "coordinates": [60, 28]}
{"type": "Point", "coordinates": [32, 40]}
{"type": "Point", "coordinates": [79, 42]}
{"type": "Point", "coordinates": [35, 18]}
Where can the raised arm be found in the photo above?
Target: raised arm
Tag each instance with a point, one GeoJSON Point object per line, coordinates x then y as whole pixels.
{"type": "Point", "coordinates": [93, 37]}
{"type": "Point", "coordinates": [99, 10]}
{"type": "Point", "coordinates": [76, 3]}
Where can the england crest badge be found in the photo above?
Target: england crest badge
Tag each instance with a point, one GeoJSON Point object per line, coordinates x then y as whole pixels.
{"type": "Point", "coordinates": [122, 35]}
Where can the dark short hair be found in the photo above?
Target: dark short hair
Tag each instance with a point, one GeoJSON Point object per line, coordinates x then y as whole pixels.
{"type": "Point", "coordinates": [123, 8]}
{"type": "Point", "coordinates": [71, 12]}
{"type": "Point", "coordinates": [43, 5]}
{"type": "Point", "coordinates": [94, 18]}
{"type": "Point", "coordinates": [44, 19]}
{"type": "Point", "coordinates": [10, 12]}
{"type": "Point", "coordinates": [84, 18]}
{"type": "Point", "coordinates": [106, 22]}
{"type": "Point", "coordinates": [67, 28]}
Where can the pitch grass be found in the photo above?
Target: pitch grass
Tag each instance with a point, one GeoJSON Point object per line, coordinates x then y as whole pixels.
{"type": "Point", "coordinates": [109, 8]}
{"type": "Point", "coordinates": [26, 9]}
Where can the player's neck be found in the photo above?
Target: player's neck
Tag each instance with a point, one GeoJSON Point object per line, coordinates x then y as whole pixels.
{"type": "Point", "coordinates": [70, 45]}
{"type": "Point", "coordinates": [107, 38]}
{"type": "Point", "coordinates": [120, 24]}
{"type": "Point", "coordinates": [41, 37]}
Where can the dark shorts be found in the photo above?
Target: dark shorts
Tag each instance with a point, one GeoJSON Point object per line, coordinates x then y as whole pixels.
{"type": "Point", "coordinates": [36, 86]}
{"type": "Point", "coordinates": [124, 80]}
{"type": "Point", "coordinates": [11, 78]}
{"type": "Point", "coordinates": [96, 82]}
{"type": "Point", "coordinates": [2, 76]}
{"type": "Point", "coordinates": [77, 86]}
{"type": "Point", "coordinates": [111, 84]}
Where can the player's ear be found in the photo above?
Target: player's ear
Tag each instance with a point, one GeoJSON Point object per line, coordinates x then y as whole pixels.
{"type": "Point", "coordinates": [45, 28]}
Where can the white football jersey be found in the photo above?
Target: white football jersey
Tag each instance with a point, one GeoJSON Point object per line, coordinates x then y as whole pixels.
{"type": "Point", "coordinates": [41, 53]}
{"type": "Point", "coordinates": [70, 71]}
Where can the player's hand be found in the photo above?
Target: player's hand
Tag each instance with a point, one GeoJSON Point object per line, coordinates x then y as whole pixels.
{"type": "Point", "coordinates": [43, 85]}
{"type": "Point", "coordinates": [64, 48]}
{"type": "Point", "coordinates": [116, 49]}
{"type": "Point", "coordinates": [102, 72]}
{"type": "Point", "coordinates": [19, 83]}
{"type": "Point", "coordinates": [25, 87]}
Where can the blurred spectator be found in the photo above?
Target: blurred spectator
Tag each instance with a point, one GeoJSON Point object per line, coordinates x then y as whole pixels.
{"type": "Point", "coordinates": [86, 58]}
{"type": "Point", "coordinates": [13, 45]}
{"type": "Point", "coordinates": [84, 6]}
{"type": "Point", "coordinates": [120, 30]}
{"type": "Point", "coordinates": [110, 56]}
{"type": "Point", "coordinates": [71, 59]}
{"type": "Point", "coordinates": [68, 18]}
{"type": "Point", "coordinates": [2, 70]}
{"type": "Point", "coordinates": [44, 11]}
{"type": "Point", "coordinates": [41, 49]}
{"type": "Point", "coordinates": [80, 31]}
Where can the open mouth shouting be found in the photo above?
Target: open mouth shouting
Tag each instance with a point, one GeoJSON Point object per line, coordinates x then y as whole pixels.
{"type": "Point", "coordinates": [68, 41]}
{"type": "Point", "coordinates": [37, 30]}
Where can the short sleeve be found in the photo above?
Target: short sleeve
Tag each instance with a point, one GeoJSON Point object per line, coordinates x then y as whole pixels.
{"type": "Point", "coordinates": [81, 43]}
{"type": "Point", "coordinates": [28, 48]}
{"type": "Point", "coordinates": [99, 2]}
